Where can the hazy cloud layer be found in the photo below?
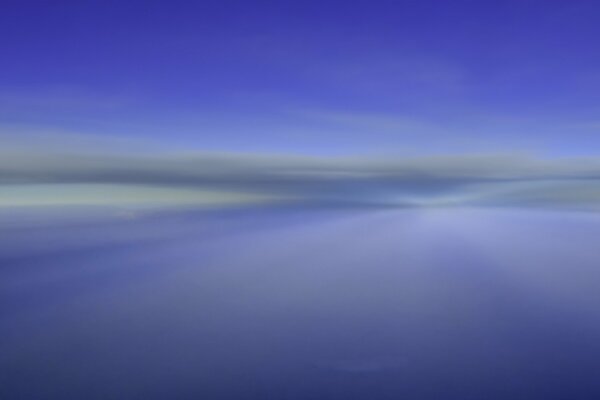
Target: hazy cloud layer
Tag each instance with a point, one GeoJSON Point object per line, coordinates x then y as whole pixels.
{"type": "Point", "coordinates": [421, 181]}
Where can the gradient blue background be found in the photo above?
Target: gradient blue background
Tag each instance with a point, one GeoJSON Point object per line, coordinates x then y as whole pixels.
{"type": "Point", "coordinates": [421, 278]}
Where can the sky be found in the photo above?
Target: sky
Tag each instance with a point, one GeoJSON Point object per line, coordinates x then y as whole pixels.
{"type": "Point", "coordinates": [327, 79]}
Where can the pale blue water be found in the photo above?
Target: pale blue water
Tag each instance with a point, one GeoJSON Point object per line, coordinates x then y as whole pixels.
{"type": "Point", "coordinates": [302, 304]}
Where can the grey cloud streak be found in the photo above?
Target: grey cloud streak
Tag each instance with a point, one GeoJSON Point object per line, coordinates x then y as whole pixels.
{"type": "Point", "coordinates": [486, 180]}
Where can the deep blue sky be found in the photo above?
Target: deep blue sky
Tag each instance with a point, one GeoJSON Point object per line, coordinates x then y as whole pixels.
{"type": "Point", "coordinates": [326, 77]}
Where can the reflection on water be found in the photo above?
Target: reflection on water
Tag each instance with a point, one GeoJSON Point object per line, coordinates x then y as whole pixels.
{"type": "Point", "coordinates": [302, 304]}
